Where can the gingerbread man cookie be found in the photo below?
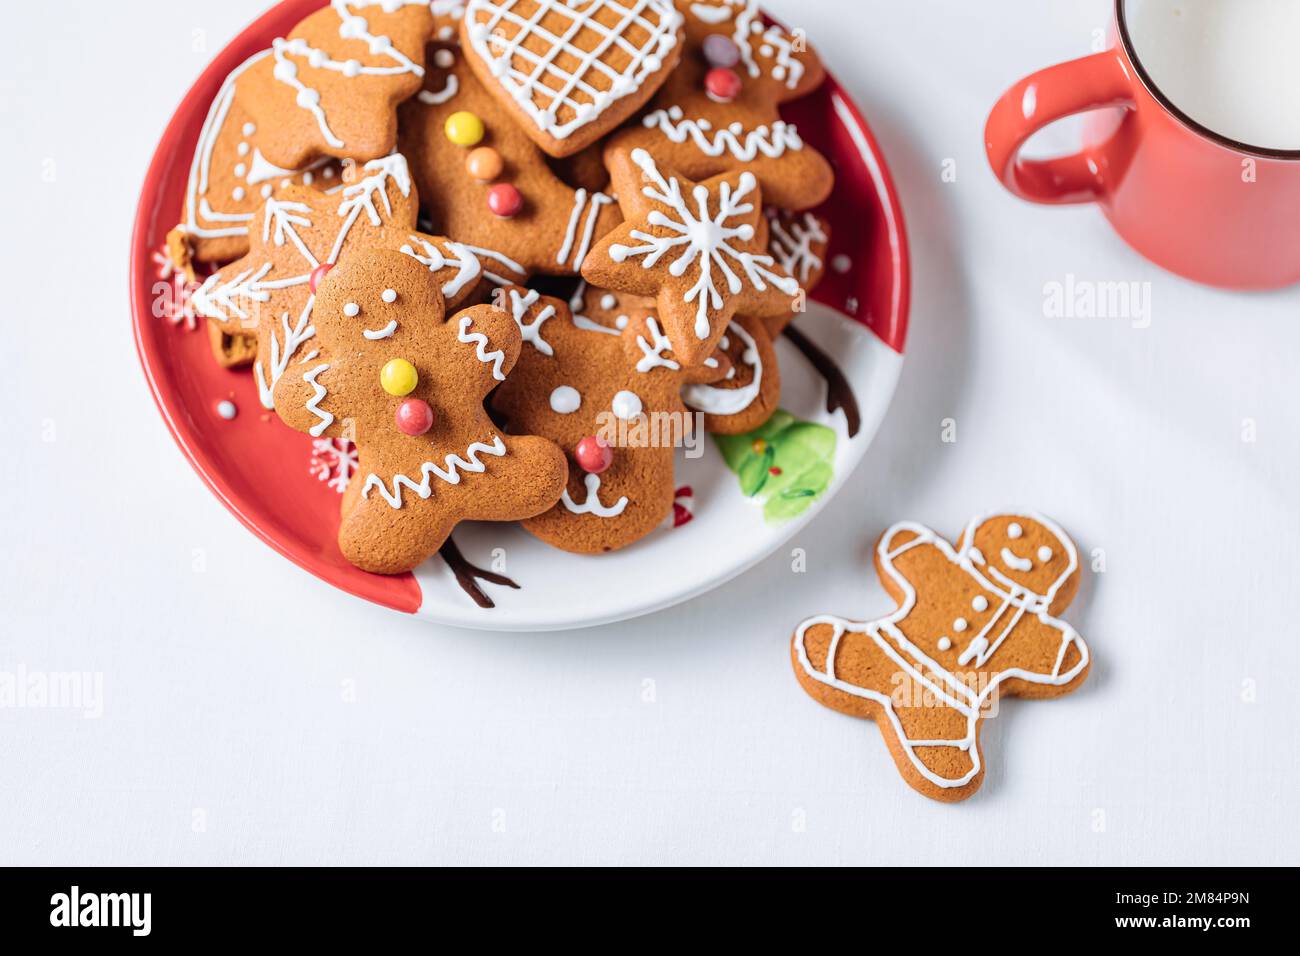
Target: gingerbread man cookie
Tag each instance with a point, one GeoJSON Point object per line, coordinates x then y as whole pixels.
{"type": "Point", "coordinates": [270, 293]}
{"type": "Point", "coordinates": [407, 385]}
{"type": "Point", "coordinates": [230, 177]}
{"type": "Point", "coordinates": [332, 87]}
{"type": "Point", "coordinates": [569, 71]}
{"type": "Point", "coordinates": [718, 111]}
{"type": "Point", "coordinates": [700, 249]}
{"type": "Point", "coordinates": [485, 182]}
{"type": "Point", "coordinates": [610, 399]}
{"type": "Point", "coordinates": [974, 623]}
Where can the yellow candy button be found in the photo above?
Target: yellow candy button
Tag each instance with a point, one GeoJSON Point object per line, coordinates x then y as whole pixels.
{"type": "Point", "coordinates": [399, 377]}
{"type": "Point", "coordinates": [464, 128]}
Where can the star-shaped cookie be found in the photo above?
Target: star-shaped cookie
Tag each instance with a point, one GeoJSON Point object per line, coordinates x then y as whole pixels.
{"type": "Point", "coordinates": [270, 292]}
{"type": "Point", "coordinates": [699, 248]}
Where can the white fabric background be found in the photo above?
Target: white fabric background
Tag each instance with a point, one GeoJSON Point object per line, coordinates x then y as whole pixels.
{"type": "Point", "coordinates": [225, 737]}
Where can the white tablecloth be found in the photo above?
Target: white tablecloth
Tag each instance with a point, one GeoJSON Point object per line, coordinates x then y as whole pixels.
{"type": "Point", "coordinates": [250, 713]}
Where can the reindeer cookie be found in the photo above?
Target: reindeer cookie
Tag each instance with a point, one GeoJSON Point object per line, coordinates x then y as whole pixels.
{"type": "Point", "coordinates": [717, 113]}
{"type": "Point", "coordinates": [407, 385]}
{"type": "Point", "coordinates": [331, 88]}
{"type": "Point", "coordinates": [699, 248]}
{"type": "Point", "coordinates": [569, 71]}
{"type": "Point", "coordinates": [750, 391]}
{"type": "Point", "coordinates": [270, 293]}
{"type": "Point", "coordinates": [974, 623]}
{"type": "Point", "coordinates": [610, 399]}
{"type": "Point", "coordinates": [482, 180]}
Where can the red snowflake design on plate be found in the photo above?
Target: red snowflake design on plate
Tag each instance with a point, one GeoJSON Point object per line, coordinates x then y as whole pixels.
{"type": "Point", "coordinates": [173, 294]}
{"type": "Point", "coordinates": [334, 461]}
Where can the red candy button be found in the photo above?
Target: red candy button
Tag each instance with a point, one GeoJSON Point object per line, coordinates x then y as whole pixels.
{"type": "Point", "coordinates": [317, 274]}
{"type": "Point", "coordinates": [722, 85]}
{"type": "Point", "coordinates": [414, 417]}
{"type": "Point", "coordinates": [594, 455]}
{"type": "Point", "coordinates": [505, 200]}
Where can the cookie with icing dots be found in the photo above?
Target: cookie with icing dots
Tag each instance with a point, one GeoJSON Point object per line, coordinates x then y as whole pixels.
{"type": "Point", "coordinates": [270, 292]}
{"type": "Point", "coordinates": [569, 71]}
{"type": "Point", "coordinates": [484, 181]}
{"type": "Point", "coordinates": [611, 399]}
{"type": "Point", "coordinates": [737, 401]}
{"type": "Point", "coordinates": [406, 384]}
{"type": "Point", "coordinates": [332, 87]}
{"type": "Point", "coordinates": [718, 111]}
{"type": "Point", "coordinates": [975, 622]}
{"type": "Point", "coordinates": [230, 177]}
{"type": "Point", "coordinates": [699, 248]}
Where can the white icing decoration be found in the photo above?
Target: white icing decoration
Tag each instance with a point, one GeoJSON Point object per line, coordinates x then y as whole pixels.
{"type": "Point", "coordinates": [504, 260]}
{"type": "Point", "coordinates": [729, 401]}
{"type": "Point", "coordinates": [468, 268]}
{"type": "Point", "coordinates": [704, 239]}
{"type": "Point", "coordinates": [1014, 530]}
{"type": "Point", "coordinates": [351, 27]}
{"type": "Point", "coordinates": [227, 409]}
{"type": "Point", "coordinates": [626, 405]}
{"type": "Point", "coordinates": [775, 41]}
{"type": "Point", "coordinates": [792, 247]}
{"type": "Point", "coordinates": [708, 13]}
{"type": "Point", "coordinates": [593, 505]}
{"type": "Point", "coordinates": [1015, 562]}
{"type": "Point", "coordinates": [944, 644]}
{"type": "Point", "coordinates": [280, 223]}
{"type": "Point", "coordinates": [608, 301]}
{"type": "Point", "coordinates": [577, 303]}
{"type": "Point", "coordinates": [313, 404]}
{"type": "Point", "coordinates": [481, 343]}
{"type": "Point", "coordinates": [744, 146]}
{"type": "Point", "coordinates": [946, 687]}
{"type": "Point", "coordinates": [652, 352]}
{"type": "Point", "coordinates": [451, 472]}
{"type": "Point", "coordinates": [532, 332]}
{"type": "Point", "coordinates": [375, 335]}
{"type": "Point", "coordinates": [389, 295]}
{"type": "Point", "coordinates": [1044, 554]}
{"type": "Point", "coordinates": [592, 210]}
{"type": "Point", "coordinates": [351, 310]}
{"type": "Point", "coordinates": [980, 603]}
{"type": "Point", "coordinates": [565, 400]}
{"type": "Point", "coordinates": [959, 625]}
{"type": "Point", "coordinates": [498, 37]}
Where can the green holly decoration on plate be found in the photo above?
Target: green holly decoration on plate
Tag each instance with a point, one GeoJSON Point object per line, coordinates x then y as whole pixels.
{"type": "Point", "coordinates": [787, 464]}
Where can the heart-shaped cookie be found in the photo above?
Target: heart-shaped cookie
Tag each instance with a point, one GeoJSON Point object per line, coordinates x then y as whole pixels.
{"type": "Point", "coordinates": [572, 70]}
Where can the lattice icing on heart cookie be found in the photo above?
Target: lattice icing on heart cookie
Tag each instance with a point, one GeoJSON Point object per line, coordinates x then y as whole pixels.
{"type": "Point", "coordinates": [572, 69]}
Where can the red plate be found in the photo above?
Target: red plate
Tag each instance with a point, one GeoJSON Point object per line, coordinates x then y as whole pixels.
{"type": "Point", "coordinates": [259, 468]}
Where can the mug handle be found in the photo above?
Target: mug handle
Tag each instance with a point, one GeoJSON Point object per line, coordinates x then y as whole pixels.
{"type": "Point", "coordinates": [1037, 101]}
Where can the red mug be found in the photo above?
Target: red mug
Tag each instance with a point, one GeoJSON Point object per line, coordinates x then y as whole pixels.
{"type": "Point", "coordinates": [1190, 200]}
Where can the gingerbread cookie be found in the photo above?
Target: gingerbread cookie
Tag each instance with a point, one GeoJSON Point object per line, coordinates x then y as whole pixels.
{"type": "Point", "coordinates": [230, 177]}
{"type": "Point", "coordinates": [332, 87]}
{"type": "Point", "coordinates": [718, 111]}
{"type": "Point", "coordinates": [750, 391]}
{"type": "Point", "coordinates": [270, 293]}
{"type": "Point", "coordinates": [610, 399]}
{"type": "Point", "coordinates": [569, 71]}
{"type": "Point", "coordinates": [700, 249]}
{"type": "Point", "coordinates": [407, 385]}
{"type": "Point", "coordinates": [485, 182]}
{"type": "Point", "coordinates": [230, 351]}
{"type": "Point", "coordinates": [974, 623]}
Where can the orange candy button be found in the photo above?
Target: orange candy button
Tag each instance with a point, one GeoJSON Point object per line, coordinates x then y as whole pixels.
{"type": "Point", "coordinates": [484, 164]}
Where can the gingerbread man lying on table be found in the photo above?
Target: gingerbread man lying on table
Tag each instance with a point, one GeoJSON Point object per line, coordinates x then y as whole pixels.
{"type": "Point", "coordinates": [407, 385]}
{"type": "Point", "coordinates": [973, 623]}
